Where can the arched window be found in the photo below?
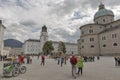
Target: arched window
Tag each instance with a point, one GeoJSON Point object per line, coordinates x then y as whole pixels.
{"type": "Point", "coordinates": [114, 44]}
{"type": "Point", "coordinates": [92, 46]}
{"type": "Point", "coordinates": [104, 45]}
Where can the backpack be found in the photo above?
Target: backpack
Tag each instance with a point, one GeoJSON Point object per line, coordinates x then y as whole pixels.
{"type": "Point", "coordinates": [73, 61]}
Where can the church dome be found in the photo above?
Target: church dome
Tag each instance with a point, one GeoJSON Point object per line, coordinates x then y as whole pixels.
{"type": "Point", "coordinates": [103, 12]}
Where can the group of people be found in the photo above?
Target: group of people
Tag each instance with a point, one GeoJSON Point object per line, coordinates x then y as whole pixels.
{"type": "Point", "coordinates": [89, 58]}
{"type": "Point", "coordinates": [76, 62]}
{"type": "Point", "coordinates": [117, 61]}
{"type": "Point", "coordinates": [3, 57]}
{"type": "Point", "coordinates": [62, 60]}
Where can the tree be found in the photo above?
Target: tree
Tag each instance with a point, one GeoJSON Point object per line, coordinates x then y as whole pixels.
{"type": "Point", "coordinates": [48, 47]}
{"type": "Point", "coordinates": [61, 47]}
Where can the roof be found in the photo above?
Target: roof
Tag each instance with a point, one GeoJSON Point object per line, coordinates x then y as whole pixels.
{"type": "Point", "coordinates": [110, 29]}
{"type": "Point", "coordinates": [65, 42]}
{"type": "Point", "coordinates": [32, 40]}
{"type": "Point", "coordinates": [91, 24]}
{"type": "Point", "coordinates": [103, 12]}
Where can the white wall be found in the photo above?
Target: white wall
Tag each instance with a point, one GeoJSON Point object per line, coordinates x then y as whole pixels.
{"type": "Point", "coordinates": [31, 47]}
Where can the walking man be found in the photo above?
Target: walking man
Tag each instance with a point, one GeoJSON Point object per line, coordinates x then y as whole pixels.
{"type": "Point", "coordinates": [73, 61]}
{"type": "Point", "coordinates": [43, 60]}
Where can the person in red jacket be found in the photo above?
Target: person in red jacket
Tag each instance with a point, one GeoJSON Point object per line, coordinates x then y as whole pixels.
{"type": "Point", "coordinates": [21, 59]}
{"type": "Point", "coordinates": [43, 60]}
{"type": "Point", "coordinates": [73, 61]}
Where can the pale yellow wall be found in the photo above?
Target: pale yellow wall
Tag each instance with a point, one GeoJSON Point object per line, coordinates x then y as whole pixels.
{"type": "Point", "coordinates": [110, 49]}
{"type": "Point", "coordinates": [113, 24]}
{"type": "Point", "coordinates": [108, 19]}
{"type": "Point", "coordinates": [87, 50]}
{"type": "Point", "coordinates": [96, 29]}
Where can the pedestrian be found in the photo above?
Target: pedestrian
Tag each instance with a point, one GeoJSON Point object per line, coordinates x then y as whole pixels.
{"type": "Point", "coordinates": [58, 60]}
{"type": "Point", "coordinates": [73, 61]}
{"type": "Point", "coordinates": [28, 59]}
{"type": "Point", "coordinates": [43, 60]}
{"type": "Point", "coordinates": [116, 61]}
{"type": "Point", "coordinates": [21, 59]}
{"type": "Point", "coordinates": [80, 65]}
{"type": "Point", "coordinates": [98, 57]}
{"type": "Point", "coordinates": [62, 61]}
{"type": "Point", "coordinates": [65, 59]}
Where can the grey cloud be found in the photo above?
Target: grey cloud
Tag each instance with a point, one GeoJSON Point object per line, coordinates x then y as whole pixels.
{"type": "Point", "coordinates": [48, 12]}
{"type": "Point", "coordinates": [64, 34]}
{"type": "Point", "coordinates": [28, 23]}
{"type": "Point", "coordinates": [112, 2]}
{"type": "Point", "coordinates": [20, 3]}
{"type": "Point", "coordinates": [68, 6]}
{"type": "Point", "coordinates": [78, 15]}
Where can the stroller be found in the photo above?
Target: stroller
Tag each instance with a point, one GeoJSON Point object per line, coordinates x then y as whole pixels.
{"type": "Point", "coordinates": [12, 68]}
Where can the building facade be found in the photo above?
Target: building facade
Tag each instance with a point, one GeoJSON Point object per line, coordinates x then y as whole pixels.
{"type": "Point", "coordinates": [2, 27]}
{"type": "Point", "coordinates": [33, 46]}
{"type": "Point", "coordinates": [101, 37]}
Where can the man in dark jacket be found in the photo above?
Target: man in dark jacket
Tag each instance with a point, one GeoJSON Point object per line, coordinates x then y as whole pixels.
{"type": "Point", "coordinates": [73, 61]}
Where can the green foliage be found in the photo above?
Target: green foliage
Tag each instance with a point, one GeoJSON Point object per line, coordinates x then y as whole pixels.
{"type": "Point", "coordinates": [48, 47]}
{"type": "Point", "coordinates": [61, 47]}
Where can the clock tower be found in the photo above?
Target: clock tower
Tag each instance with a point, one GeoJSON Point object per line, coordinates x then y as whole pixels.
{"type": "Point", "coordinates": [43, 37]}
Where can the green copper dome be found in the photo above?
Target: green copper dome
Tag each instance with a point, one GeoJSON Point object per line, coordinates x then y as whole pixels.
{"type": "Point", "coordinates": [102, 12]}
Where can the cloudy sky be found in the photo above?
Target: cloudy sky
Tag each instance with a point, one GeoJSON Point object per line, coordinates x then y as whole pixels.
{"type": "Point", "coordinates": [24, 18]}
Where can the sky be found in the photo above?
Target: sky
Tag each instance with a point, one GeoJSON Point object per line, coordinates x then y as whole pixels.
{"type": "Point", "coordinates": [24, 19]}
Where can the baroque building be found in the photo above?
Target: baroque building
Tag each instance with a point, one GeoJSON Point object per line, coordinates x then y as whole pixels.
{"type": "Point", "coordinates": [101, 37]}
{"type": "Point", "coordinates": [34, 46]}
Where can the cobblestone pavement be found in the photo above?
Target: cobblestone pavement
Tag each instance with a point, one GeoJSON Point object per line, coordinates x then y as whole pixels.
{"type": "Point", "coordinates": [103, 69]}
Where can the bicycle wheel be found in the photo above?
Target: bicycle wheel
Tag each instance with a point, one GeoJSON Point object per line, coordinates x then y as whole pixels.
{"type": "Point", "coordinates": [15, 72]}
{"type": "Point", "coordinates": [23, 69]}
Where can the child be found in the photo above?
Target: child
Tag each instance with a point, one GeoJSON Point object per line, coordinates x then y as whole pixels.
{"type": "Point", "coordinates": [80, 64]}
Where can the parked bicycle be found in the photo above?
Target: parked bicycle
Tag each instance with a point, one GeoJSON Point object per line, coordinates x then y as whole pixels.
{"type": "Point", "coordinates": [13, 69]}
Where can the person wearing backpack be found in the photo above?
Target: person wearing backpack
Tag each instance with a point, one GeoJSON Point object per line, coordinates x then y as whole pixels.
{"type": "Point", "coordinates": [73, 61]}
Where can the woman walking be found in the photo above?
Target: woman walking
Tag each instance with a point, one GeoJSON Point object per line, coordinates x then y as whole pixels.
{"type": "Point", "coordinates": [80, 65]}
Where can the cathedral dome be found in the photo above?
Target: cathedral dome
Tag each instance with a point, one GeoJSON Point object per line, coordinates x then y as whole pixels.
{"type": "Point", "coordinates": [103, 12]}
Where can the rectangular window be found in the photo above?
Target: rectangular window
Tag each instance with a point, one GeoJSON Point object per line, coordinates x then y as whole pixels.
{"type": "Point", "coordinates": [103, 20]}
{"type": "Point", "coordinates": [114, 36]}
{"type": "Point", "coordinates": [103, 38]}
{"type": "Point", "coordinates": [91, 39]}
{"type": "Point", "coordinates": [90, 31]}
